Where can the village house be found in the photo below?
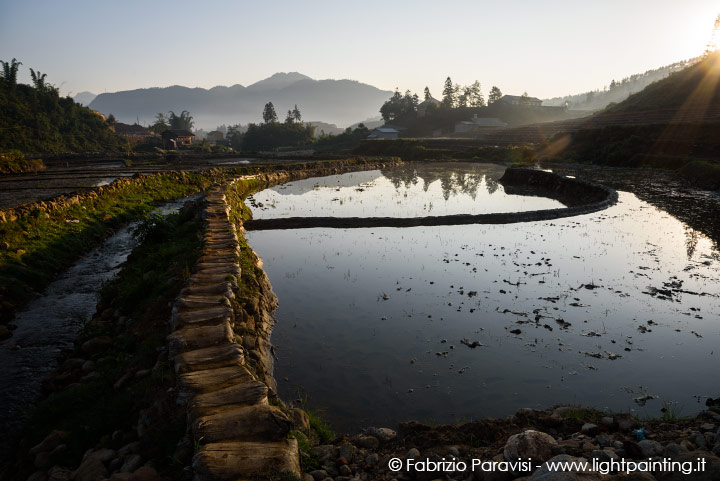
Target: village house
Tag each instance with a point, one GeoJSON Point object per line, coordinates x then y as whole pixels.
{"type": "Point", "coordinates": [174, 138]}
{"type": "Point", "coordinates": [134, 133]}
{"type": "Point", "coordinates": [386, 132]}
{"type": "Point", "coordinates": [520, 101]}
{"type": "Point", "coordinates": [214, 136]}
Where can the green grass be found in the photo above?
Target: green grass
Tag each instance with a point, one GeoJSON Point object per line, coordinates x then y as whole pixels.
{"type": "Point", "coordinates": [42, 243]}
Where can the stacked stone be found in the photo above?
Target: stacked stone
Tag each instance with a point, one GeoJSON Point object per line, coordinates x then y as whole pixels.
{"type": "Point", "coordinates": [239, 434]}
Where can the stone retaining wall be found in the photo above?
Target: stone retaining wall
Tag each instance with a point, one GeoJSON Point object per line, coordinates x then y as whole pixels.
{"type": "Point", "coordinates": [238, 432]}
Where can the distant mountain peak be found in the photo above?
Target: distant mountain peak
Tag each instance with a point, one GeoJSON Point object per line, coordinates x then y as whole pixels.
{"type": "Point", "coordinates": [84, 98]}
{"type": "Point", "coordinates": [279, 80]}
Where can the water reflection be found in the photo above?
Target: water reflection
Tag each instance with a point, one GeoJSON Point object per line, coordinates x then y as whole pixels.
{"type": "Point", "coordinates": [375, 325]}
{"type": "Point", "coordinates": [409, 190]}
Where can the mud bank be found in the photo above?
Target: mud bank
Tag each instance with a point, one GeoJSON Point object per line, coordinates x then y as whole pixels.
{"type": "Point", "coordinates": [585, 197]}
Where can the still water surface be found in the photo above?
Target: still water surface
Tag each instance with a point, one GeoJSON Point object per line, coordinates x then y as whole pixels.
{"type": "Point", "coordinates": [374, 325]}
{"type": "Point", "coordinates": [410, 190]}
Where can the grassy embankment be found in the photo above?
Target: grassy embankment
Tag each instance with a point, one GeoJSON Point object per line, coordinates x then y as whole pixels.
{"type": "Point", "coordinates": [125, 340]}
{"type": "Point", "coordinates": [14, 162]}
{"type": "Point", "coordinates": [47, 239]}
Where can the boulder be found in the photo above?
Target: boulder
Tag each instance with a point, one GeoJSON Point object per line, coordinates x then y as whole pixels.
{"type": "Point", "coordinates": [529, 444]}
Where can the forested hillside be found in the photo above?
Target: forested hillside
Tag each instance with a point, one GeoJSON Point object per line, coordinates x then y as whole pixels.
{"type": "Point", "coordinates": [35, 119]}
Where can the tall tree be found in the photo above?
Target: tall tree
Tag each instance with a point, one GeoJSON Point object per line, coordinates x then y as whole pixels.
{"type": "Point", "coordinates": [289, 119]}
{"type": "Point", "coordinates": [427, 94]}
{"type": "Point", "coordinates": [10, 70]}
{"type": "Point", "coordinates": [448, 99]}
{"type": "Point", "coordinates": [475, 96]}
{"type": "Point", "coordinates": [494, 95]}
{"type": "Point", "coordinates": [269, 115]}
{"type": "Point", "coordinates": [161, 124]}
{"type": "Point", "coordinates": [297, 116]}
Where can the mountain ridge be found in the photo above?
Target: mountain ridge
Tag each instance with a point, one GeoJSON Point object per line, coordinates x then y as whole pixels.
{"type": "Point", "coordinates": [340, 102]}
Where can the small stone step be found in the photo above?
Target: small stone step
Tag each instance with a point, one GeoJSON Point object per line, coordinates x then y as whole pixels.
{"type": "Point", "coordinates": [228, 259]}
{"type": "Point", "coordinates": [221, 288]}
{"type": "Point", "coordinates": [224, 355]}
{"type": "Point", "coordinates": [202, 317]}
{"type": "Point", "coordinates": [209, 278]}
{"type": "Point", "coordinates": [192, 338]}
{"type": "Point", "coordinates": [245, 461]}
{"type": "Point", "coordinates": [218, 269]}
{"type": "Point", "coordinates": [201, 301]}
{"type": "Point", "coordinates": [209, 380]}
{"type": "Point", "coordinates": [248, 423]}
{"type": "Point", "coordinates": [245, 394]}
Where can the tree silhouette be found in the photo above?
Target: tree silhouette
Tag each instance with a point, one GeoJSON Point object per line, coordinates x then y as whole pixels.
{"type": "Point", "coordinates": [494, 95]}
{"type": "Point", "coordinates": [297, 116]}
{"type": "Point", "coordinates": [427, 94]}
{"type": "Point", "coordinates": [269, 115]}
{"type": "Point", "coordinates": [182, 121]}
{"type": "Point", "coordinates": [448, 99]}
{"type": "Point", "coordinates": [38, 80]}
{"type": "Point", "coordinates": [10, 70]}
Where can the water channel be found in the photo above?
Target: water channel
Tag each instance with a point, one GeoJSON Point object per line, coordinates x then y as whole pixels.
{"type": "Point", "coordinates": [49, 324]}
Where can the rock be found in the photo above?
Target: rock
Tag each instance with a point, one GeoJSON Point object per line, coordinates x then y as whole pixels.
{"type": "Point", "coordinates": [412, 453]}
{"type": "Point", "coordinates": [132, 462]}
{"type": "Point", "coordinates": [347, 451]}
{"type": "Point", "coordinates": [368, 442]}
{"type": "Point", "coordinates": [96, 345]}
{"type": "Point", "coordinates": [300, 419]}
{"type": "Point", "coordinates": [51, 441]}
{"type": "Point", "coordinates": [91, 469]}
{"type": "Point", "coordinates": [345, 470]}
{"type": "Point", "coordinates": [145, 473]}
{"type": "Point", "coordinates": [650, 448]}
{"type": "Point", "coordinates": [122, 477]}
{"type": "Point", "coordinates": [529, 444]}
{"type": "Point", "coordinates": [38, 476]}
{"type": "Point", "coordinates": [307, 477]}
{"type": "Point", "coordinates": [318, 474]}
{"type": "Point", "coordinates": [88, 366]}
{"type": "Point", "coordinates": [707, 427]}
{"type": "Point", "coordinates": [625, 421]}
{"type": "Point", "coordinates": [372, 459]}
{"type": "Point", "coordinates": [673, 450]}
{"type": "Point", "coordinates": [59, 473]}
{"type": "Point", "coordinates": [42, 460]}
{"type": "Point", "coordinates": [383, 434]}
{"type": "Point", "coordinates": [589, 429]}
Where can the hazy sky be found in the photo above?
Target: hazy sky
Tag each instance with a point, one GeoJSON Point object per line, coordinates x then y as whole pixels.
{"type": "Point", "coordinates": [547, 48]}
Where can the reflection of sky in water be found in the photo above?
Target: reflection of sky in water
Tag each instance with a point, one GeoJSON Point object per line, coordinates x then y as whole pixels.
{"type": "Point", "coordinates": [411, 190]}
{"type": "Point", "coordinates": [363, 313]}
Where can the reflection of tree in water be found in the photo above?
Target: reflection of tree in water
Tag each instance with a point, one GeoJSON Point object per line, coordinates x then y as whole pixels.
{"type": "Point", "coordinates": [691, 241]}
{"type": "Point", "coordinates": [453, 178]}
{"type": "Point", "coordinates": [491, 184]}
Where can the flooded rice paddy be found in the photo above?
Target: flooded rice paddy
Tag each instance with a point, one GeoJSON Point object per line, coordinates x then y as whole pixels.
{"type": "Point", "coordinates": [415, 190]}
{"type": "Point", "coordinates": [619, 309]}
